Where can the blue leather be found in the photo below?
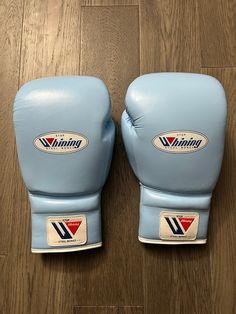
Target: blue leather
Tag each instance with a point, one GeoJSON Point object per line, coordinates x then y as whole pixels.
{"type": "Point", "coordinates": [153, 202]}
{"type": "Point", "coordinates": [44, 206]}
{"type": "Point", "coordinates": [60, 184]}
{"type": "Point", "coordinates": [162, 102]}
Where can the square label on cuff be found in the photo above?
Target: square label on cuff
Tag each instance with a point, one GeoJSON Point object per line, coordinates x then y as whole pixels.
{"type": "Point", "coordinates": [178, 226]}
{"type": "Point", "coordinates": [66, 230]}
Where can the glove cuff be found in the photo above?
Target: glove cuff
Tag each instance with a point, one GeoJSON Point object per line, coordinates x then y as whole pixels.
{"type": "Point", "coordinates": [168, 218]}
{"type": "Point", "coordinates": [65, 224]}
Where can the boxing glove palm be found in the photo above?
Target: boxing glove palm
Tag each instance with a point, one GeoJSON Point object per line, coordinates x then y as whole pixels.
{"type": "Point", "coordinates": [173, 130]}
{"type": "Point", "coordinates": [64, 135]}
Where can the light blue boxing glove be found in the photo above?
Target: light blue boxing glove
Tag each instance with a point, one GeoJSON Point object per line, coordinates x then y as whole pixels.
{"type": "Point", "coordinates": [173, 130]}
{"type": "Point", "coordinates": [64, 135]}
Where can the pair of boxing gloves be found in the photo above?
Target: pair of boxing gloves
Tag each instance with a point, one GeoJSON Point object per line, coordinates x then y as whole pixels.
{"type": "Point", "coordinates": [173, 130]}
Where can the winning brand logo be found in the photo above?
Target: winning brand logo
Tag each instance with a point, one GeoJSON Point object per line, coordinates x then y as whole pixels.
{"type": "Point", "coordinates": [179, 225]}
{"type": "Point", "coordinates": [60, 142]}
{"type": "Point", "coordinates": [66, 230]}
{"type": "Point", "coordinates": [180, 141]}
{"type": "Point", "coordinates": [176, 226]}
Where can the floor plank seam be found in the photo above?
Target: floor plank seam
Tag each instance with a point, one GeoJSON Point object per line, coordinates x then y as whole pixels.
{"type": "Point", "coordinates": [219, 67]}
{"type": "Point", "coordinates": [139, 25]}
{"type": "Point", "coordinates": [21, 39]}
{"type": "Point", "coordinates": [101, 306]}
{"type": "Point", "coordinates": [108, 5]}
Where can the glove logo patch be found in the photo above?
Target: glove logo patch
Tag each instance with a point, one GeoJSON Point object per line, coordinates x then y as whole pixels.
{"type": "Point", "coordinates": [66, 230]}
{"type": "Point", "coordinates": [180, 142]}
{"type": "Point", "coordinates": [60, 142]}
{"type": "Point", "coordinates": [178, 225]}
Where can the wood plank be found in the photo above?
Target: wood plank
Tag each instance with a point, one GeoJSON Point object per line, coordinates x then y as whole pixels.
{"type": "Point", "coordinates": [64, 280]}
{"type": "Point", "coordinates": [51, 39]}
{"type": "Point", "coordinates": [95, 309]}
{"type": "Point", "coordinates": [108, 2]}
{"type": "Point", "coordinates": [182, 274]}
{"type": "Point", "coordinates": [4, 284]}
{"type": "Point", "coordinates": [176, 279]}
{"type": "Point", "coordinates": [110, 50]}
{"type": "Point", "coordinates": [169, 36]}
{"type": "Point", "coordinates": [108, 310]}
{"type": "Point", "coordinates": [50, 46]}
{"type": "Point", "coordinates": [11, 13]}
{"type": "Point", "coordinates": [217, 22]}
{"type": "Point", "coordinates": [222, 223]}
{"type": "Point", "coordinates": [131, 310]}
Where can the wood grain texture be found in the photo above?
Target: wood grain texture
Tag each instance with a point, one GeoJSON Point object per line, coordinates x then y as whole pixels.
{"type": "Point", "coordinates": [221, 229]}
{"type": "Point", "coordinates": [101, 38]}
{"type": "Point", "coordinates": [182, 274]}
{"type": "Point", "coordinates": [51, 39]}
{"type": "Point", "coordinates": [10, 41]}
{"type": "Point", "coordinates": [95, 309]}
{"type": "Point", "coordinates": [217, 23]}
{"type": "Point", "coordinates": [108, 310]}
{"type": "Point", "coordinates": [3, 286]}
{"type": "Point", "coordinates": [130, 310]}
{"type": "Point", "coordinates": [50, 46]}
{"type": "Point", "coordinates": [108, 2]}
{"type": "Point", "coordinates": [169, 36]}
{"type": "Point", "coordinates": [109, 34]}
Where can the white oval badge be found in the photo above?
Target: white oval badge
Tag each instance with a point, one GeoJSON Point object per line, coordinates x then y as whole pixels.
{"type": "Point", "coordinates": [180, 142]}
{"type": "Point", "coordinates": [60, 142]}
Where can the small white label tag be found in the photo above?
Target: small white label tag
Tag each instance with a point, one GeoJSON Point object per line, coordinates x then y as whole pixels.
{"type": "Point", "coordinates": [66, 230]}
{"type": "Point", "coordinates": [178, 226]}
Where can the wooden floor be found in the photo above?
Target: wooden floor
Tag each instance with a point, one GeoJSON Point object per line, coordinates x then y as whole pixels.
{"type": "Point", "coordinates": [116, 40]}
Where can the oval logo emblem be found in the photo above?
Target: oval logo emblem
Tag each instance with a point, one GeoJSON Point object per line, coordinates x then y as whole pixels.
{"type": "Point", "coordinates": [60, 142]}
{"type": "Point", "coordinates": [180, 142]}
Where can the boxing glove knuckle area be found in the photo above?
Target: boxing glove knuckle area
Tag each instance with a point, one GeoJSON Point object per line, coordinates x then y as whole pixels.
{"type": "Point", "coordinates": [176, 154]}
{"type": "Point", "coordinates": [65, 136]}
